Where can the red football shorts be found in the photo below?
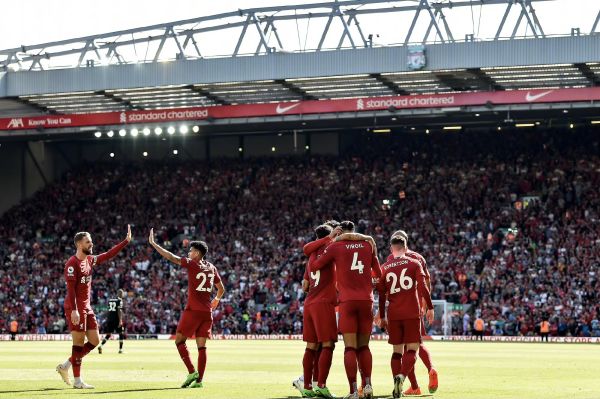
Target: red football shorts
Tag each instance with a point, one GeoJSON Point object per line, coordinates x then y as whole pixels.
{"type": "Point", "coordinates": [356, 317]}
{"type": "Point", "coordinates": [87, 321]}
{"type": "Point", "coordinates": [404, 331]}
{"type": "Point", "coordinates": [319, 323]}
{"type": "Point", "coordinates": [196, 323]}
{"type": "Point", "coordinates": [423, 329]}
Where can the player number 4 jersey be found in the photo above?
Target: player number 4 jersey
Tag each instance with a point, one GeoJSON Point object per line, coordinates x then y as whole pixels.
{"type": "Point", "coordinates": [355, 265]}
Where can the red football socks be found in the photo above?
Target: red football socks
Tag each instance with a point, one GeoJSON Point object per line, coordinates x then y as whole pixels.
{"type": "Point", "coordinates": [413, 379]}
{"type": "Point", "coordinates": [307, 364]}
{"type": "Point", "coordinates": [76, 356]}
{"type": "Point", "coordinates": [315, 376]}
{"type": "Point", "coordinates": [351, 365]}
{"type": "Point", "coordinates": [87, 348]}
{"type": "Point", "coordinates": [324, 365]}
{"type": "Point", "coordinates": [365, 363]}
{"type": "Point", "coordinates": [425, 357]}
{"type": "Point", "coordinates": [185, 356]}
{"type": "Point", "coordinates": [396, 363]}
{"type": "Point", "coordinates": [201, 362]}
{"type": "Point", "coordinates": [408, 362]}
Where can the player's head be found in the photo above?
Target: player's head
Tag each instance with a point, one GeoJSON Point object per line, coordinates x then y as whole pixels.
{"type": "Point", "coordinates": [398, 245]}
{"type": "Point", "coordinates": [121, 294]}
{"type": "Point", "coordinates": [347, 226]}
{"type": "Point", "coordinates": [332, 223]}
{"type": "Point", "coordinates": [401, 233]}
{"type": "Point", "coordinates": [197, 250]}
{"type": "Point", "coordinates": [83, 241]}
{"type": "Point", "coordinates": [323, 230]}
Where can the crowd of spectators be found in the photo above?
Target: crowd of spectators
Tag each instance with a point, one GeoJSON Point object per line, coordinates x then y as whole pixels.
{"type": "Point", "coordinates": [508, 222]}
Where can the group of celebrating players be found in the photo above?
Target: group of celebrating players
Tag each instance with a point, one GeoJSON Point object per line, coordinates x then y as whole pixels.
{"type": "Point", "coordinates": [343, 269]}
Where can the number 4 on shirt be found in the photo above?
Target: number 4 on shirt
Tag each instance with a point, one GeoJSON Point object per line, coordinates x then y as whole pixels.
{"type": "Point", "coordinates": [357, 264]}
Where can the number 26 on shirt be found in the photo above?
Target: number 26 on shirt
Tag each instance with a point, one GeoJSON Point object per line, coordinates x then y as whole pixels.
{"type": "Point", "coordinates": [406, 282]}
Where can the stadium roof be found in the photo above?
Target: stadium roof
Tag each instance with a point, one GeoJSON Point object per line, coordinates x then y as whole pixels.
{"type": "Point", "coordinates": [310, 88]}
{"type": "Point", "coordinates": [271, 75]}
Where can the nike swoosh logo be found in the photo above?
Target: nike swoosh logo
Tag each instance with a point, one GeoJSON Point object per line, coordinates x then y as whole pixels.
{"type": "Point", "coordinates": [530, 98]}
{"type": "Point", "coordinates": [282, 110]}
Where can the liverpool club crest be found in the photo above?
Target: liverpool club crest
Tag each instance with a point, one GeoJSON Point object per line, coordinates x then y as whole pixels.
{"type": "Point", "coordinates": [416, 57]}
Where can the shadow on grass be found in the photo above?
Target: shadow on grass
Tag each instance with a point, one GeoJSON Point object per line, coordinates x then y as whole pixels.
{"type": "Point", "coordinates": [67, 391]}
{"type": "Point", "coordinates": [297, 396]}
{"type": "Point", "coordinates": [34, 390]}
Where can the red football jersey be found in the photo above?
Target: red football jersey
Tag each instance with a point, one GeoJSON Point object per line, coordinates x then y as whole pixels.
{"type": "Point", "coordinates": [202, 277]}
{"type": "Point", "coordinates": [403, 282]}
{"type": "Point", "coordinates": [419, 258]}
{"type": "Point", "coordinates": [355, 264]}
{"type": "Point", "coordinates": [322, 282]}
{"type": "Point", "coordinates": [78, 274]}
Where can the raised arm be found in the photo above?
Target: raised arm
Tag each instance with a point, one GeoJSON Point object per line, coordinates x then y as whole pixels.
{"type": "Point", "coordinates": [111, 253]}
{"type": "Point", "coordinates": [315, 245]}
{"type": "Point", "coordinates": [163, 252]}
{"type": "Point", "coordinates": [322, 261]}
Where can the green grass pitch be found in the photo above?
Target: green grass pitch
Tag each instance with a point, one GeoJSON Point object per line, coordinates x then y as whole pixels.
{"type": "Point", "coordinates": [265, 369]}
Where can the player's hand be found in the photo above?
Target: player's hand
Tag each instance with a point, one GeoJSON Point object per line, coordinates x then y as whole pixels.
{"type": "Point", "coordinates": [383, 324]}
{"type": "Point", "coordinates": [128, 238]}
{"type": "Point", "coordinates": [74, 317]}
{"type": "Point", "coordinates": [430, 316]}
{"type": "Point", "coordinates": [151, 237]}
{"type": "Point", "coordinates": [214, 303]}
{"type": "Point", "coordinates": [335, 232]}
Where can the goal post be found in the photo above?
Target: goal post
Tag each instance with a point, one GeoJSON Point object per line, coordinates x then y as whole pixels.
{"type": "Point", "coordinates": [442, 322]}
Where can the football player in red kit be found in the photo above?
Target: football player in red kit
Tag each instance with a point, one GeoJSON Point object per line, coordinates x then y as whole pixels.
{"type": "Point", "coordinates": [423, 351]}
{"type": "Point", "coordinates": [196, 319]}
{"type": "Point", "coordinates": [319, 327]}
{"type": "Point", "coordinates": [355, 263]}
{"type": "Point", "coordinates": [78, 310]}
{"type": "Point", "coordinates": [403, 284]}
{"type": "Point", "coordinates": [308, 249]}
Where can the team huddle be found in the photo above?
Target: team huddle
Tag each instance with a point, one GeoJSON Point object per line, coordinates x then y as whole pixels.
{"type": "Point", "coordinates": [343, 269]}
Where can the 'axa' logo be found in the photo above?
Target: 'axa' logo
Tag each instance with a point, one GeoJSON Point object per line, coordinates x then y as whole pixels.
{"type": "Point", "coordinates": [15, 123]}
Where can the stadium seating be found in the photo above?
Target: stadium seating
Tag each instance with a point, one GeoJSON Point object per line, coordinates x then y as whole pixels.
{"type": "Point", "coordinates": [508, 222]}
